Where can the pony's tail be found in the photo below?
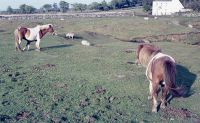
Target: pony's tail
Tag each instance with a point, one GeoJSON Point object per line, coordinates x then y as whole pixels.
{"type": "Point", "coordinates": [17, 45]}
{"type": "Point", "coordinates": [170, 78]}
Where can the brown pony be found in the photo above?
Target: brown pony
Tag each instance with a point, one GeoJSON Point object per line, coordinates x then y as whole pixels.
{"type": "Point", "coordinates": [160, 71]}
{"type": "Point", "coordinates": [31, 35]}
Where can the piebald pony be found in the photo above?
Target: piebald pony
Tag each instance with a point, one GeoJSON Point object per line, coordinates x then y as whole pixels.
{"type": "Point", "coordinates": [31, 35]}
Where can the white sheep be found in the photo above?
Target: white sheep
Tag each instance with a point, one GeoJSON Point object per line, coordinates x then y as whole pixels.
{"type": "Point", "coordinates": [190, 25]}
{"type": "Point", "coordinates": [146, 18]}
{"type": "Point", "coordinates": [85, 43]}
{"type": "Point", "coordinates": [70, 35]}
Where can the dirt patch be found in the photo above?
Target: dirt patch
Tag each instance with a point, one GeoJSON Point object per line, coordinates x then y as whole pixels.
{"type": "Point", "coordinates": [6, 102]}
{"type": "Point", "coordinates": [5, 118]}
{"type": "Point", "coordinates": [1, 30]}
{"type": "Point", "coordinates": [196, 24]}
{"type": "Point", "coordinates": [17, 76]}
{"type": "Point", "coordinates": [59, 85]}
{"type": "Point", "coordinates": [58, 98]}
{"type": "Point", "coordinates": [48, 66]}
{"type": "Point", "coordinates": [5, 68]}
{"type": "Point", "coordinates": [93, 34]}
{"type": "Point", "coordinates": [84, 102]}
{"type": "Point", "coordinates": [90, 119]}
{"type": "Point", "coordinates": [59, 119]}
{"type": "Point", "coordinates": [2, 81]}
{"type": "Point", "coordinates": [23, 115]}
{"type": "Point", "coordinates": [129, 50]}
{"type": "Point", "coordinates": [42, 67]}
{"type": "Point", "coordinates": [100, 90]}
{"type": "Point", "coordinates": [130, 62]}
{"type": "Point", "coordinates": [34, 102]}
{"type": "Point", "coordinates": [180, 113]}
{"type": "Point", "coordinates": [192, 38]}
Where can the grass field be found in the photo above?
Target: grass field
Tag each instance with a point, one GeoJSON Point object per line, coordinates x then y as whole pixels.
{"type": "Point", "coordinates": [68, 82]}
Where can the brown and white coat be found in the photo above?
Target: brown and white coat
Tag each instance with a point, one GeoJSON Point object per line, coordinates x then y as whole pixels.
{"type": "Point", "coordinates": [31, 35]}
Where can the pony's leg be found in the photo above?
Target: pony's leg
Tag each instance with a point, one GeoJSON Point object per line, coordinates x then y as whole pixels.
{"type": "Point", "coordinates": [150, 90]}
{"type": "Point", "coordinates": [27, 46]}
{"type": "Point", "coordinates": [16, 46]}
{"type": "Point", "coordinates": [137, 62]}
{"type": "Point", "coordinates": [163, 97]}
{"type": "Point", "coordinates": [17, 38]}
{"type": "Point", "coordinates": [37, 44]}
{"type": "Point", "coordinates": [19, 44]}
{"type": "Point", "coordinates": [155, 95]}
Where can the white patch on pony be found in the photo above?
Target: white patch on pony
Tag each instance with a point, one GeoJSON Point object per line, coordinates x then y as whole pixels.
{"type": "Point", "coordinates": [163, 83]}
{"type": "Point", "coordinates": [155, 105]}
{"type": "Point", "coordinates": [157, 56]}
{"type": "Point", "coordinates": [34, 32]}
{"type": "Point", "coordinates": [86, 43]}
{"type": "Point", "coordinates": [150, 90]}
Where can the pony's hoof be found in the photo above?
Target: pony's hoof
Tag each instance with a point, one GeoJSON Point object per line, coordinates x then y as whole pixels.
{"type": "Point", "coordinates": [150, 97]}
{"type": "Point", "coordinates": [37, 50]}
{"type": "Point", "coordinates": [154, 110]}
{"type": "Point", "coordinates": [20, 51]}
{"type": "Point", "coordinates": [162, 106]}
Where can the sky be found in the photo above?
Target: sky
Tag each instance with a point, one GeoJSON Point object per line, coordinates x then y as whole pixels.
{"type": "Point", "coordinates": [38, 3]}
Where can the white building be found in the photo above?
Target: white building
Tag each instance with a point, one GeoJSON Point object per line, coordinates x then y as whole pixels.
{"type": "Point", "coordinates": [166, 7]}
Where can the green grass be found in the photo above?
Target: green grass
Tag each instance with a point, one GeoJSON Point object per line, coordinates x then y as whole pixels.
{"type": "Point", "coordinates": [59, 83]}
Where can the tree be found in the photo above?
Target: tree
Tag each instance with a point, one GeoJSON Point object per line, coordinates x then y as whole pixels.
{"type": "Point", "coordinates": [195, 6]}
{"type": "Point", "coordinates": [47, 7]}
{"type": "Point", "coordinates": [192, 4]}
{"type": "Point", "coordinates": [115, 4]}
{"type": "Point", "coordinates": [104, 6]}
{"type": "Point", "coordinates": [29, 9]}
{"type": "Point", "coordinates": [147, 5]}
{"type": "Point", "coordinates": [9, 10]}
{"type": "Point", "coordinates": [22, 8]}
{"type": "Point", "coordinates": [26, 9]}
{"type": "Point", "coordinates": [79, 7]}
{"type": "Point", "coordinates": [94, 6]}
{"type": "Point", "coordinates": [132, 3]}
{"type": "Point", "coordinates": [64, 6]}
{"type": "Point", "coordinates": [118, 4]}
{"type": "Point", "coordinates": [55, 7]}
{"type": "Point", "coordinates": [123, 3]}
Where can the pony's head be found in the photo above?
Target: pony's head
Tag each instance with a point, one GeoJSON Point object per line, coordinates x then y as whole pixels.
{"type": "Point", "coordinates": [48, 27]}
{"type": "Point", "coordinates": [145, 52]}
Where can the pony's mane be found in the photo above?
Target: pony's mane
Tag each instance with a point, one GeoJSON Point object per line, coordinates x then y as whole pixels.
{"type": "Point", "coordinates": [46, 26]}
{"type": "Point", "coordinates": [153, 48]}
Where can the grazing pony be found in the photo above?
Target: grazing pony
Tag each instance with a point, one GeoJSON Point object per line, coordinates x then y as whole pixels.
{"type": "Point", "coordinates": [160, 71]}
{"type": "Point", "coordinates": [31, 35]}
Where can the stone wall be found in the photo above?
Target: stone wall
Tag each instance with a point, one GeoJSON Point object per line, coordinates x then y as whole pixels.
{"type": "Point", "coordinates": [66, 15]}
